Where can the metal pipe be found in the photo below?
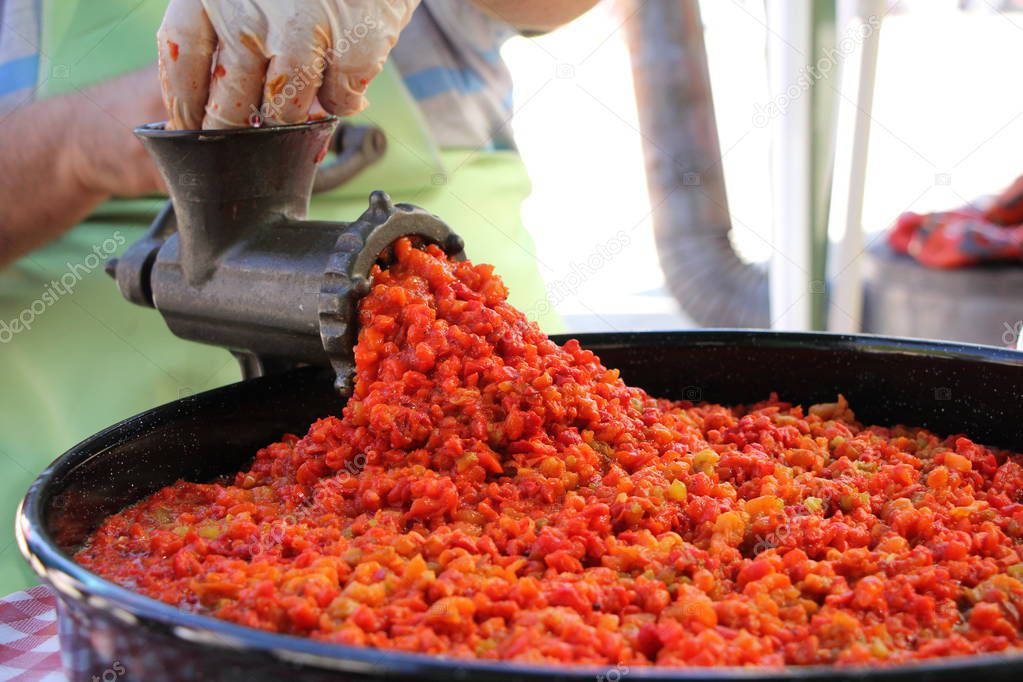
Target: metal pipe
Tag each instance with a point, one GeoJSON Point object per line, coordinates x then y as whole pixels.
{"type": "Point", "coordinates": [684, 173]}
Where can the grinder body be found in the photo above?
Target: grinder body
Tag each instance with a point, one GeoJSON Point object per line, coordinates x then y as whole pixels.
{"type": "Point", "coordinates": [262, 298]}
{"type": "Point", "coordinates": [232, 260]}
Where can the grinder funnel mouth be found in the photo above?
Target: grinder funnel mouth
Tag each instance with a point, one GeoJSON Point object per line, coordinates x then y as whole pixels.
{"type": "Point", "coordinates": [225, 184]}
{"type": "Point", "coordinates": [260, 172]}
{"type": "Point", "coordinates": [159, 130]}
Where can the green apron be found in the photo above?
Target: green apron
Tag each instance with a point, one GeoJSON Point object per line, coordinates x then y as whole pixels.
{"type": "Point", "coordinates": [75, 357]}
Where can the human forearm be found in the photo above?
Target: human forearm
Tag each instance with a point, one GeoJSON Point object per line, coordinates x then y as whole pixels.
{"type": "Point", "coordinates": [535, 15]}
{"type": "Point", "coordinates": [40, 194]}
{"type": "Point", "coordinates": [60, 158]}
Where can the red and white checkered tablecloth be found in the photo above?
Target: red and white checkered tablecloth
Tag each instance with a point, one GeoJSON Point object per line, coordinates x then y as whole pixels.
{"type": "Point", "coordinates": [29, 650]}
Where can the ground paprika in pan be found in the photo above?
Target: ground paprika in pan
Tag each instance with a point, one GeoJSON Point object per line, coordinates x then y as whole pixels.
{"type": "Point", "coordinates": [487, 493]}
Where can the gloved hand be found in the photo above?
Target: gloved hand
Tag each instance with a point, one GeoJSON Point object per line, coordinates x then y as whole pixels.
{"type": "Point", "coordinates": [231, 63]}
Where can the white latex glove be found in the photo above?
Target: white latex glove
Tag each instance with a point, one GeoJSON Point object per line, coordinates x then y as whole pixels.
{"type": "Point", "coordinates": [223, 63]}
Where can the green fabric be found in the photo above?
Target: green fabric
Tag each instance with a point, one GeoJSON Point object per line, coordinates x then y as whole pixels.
{"type": "Point", "coordinates": [76, 357]}
{"type": "Point", "coordinates": [480, 197]}
{"type": "Point", "coordinates": [85, 42]}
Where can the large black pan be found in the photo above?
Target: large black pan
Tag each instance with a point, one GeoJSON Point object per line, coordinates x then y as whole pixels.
{"type": "Point", "coordinates": [110, 633]}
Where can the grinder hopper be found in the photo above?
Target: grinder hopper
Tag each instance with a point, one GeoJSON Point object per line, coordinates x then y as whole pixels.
{"type": "Point", "coordinates": [231, 261]}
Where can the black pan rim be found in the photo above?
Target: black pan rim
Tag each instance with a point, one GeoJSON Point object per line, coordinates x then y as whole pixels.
{"type": "Point", "coordinates": [75, 583]}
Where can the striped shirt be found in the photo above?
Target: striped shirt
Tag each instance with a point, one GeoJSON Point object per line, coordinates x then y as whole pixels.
{"type": "Point", "coordinates": [19, 52]}
{"type": "Point", "coordinates": [449, 56]}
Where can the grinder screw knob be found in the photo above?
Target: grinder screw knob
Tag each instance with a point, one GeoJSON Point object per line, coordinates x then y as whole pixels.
{"type": "Point", "coordinates": [360, 286]}
{"type": "Point", "coordinates": [453, 245]}
{"type": "Point", "coordinates": [380, 203]}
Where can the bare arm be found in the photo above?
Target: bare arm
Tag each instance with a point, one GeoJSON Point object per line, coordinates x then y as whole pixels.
{"type": "Point", "coordinates": [535, 15]}
{"type": "Point", "coordinates": [61, 158]}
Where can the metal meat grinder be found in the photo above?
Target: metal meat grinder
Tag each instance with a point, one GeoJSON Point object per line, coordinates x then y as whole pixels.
{"type": "Point", "coordinates": [231, 261]}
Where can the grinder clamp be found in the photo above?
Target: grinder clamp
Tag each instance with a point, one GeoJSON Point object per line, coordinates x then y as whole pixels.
{"type": "Point", "coordinates": [231, 260]}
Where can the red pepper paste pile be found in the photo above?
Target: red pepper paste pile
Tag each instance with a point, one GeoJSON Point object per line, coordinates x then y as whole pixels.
{"type": "Point", "coordinates": [489, 494]}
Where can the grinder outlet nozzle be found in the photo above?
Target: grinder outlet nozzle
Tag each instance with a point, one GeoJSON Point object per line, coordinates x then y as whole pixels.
{"type": "Point", "coordinates": [231, 261]}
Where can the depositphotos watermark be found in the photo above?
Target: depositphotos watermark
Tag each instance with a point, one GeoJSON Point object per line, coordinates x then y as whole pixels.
{"type": "Point", "coordinates": [275, 534]}
{"type": "Point", "coordinates": [61, 287]}
{"type": "Point", "coordinates": [311, 75]}
{"type": "Point", "coordinates": [115, 672]}
{"type": "Point", "coordinates": [560, 290]}
{"type": "Point", "coordinates": [615, 674]}
{"type": "Point", "coordinates": [820, 504]}
{"type": "Point", "coordinates": [1012, 333]}
{"type": "Point", "coordinates": [809, 75]}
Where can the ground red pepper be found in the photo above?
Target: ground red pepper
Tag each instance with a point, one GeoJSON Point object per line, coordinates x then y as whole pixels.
{"type": "Point", "coordinates": [489, 494]}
